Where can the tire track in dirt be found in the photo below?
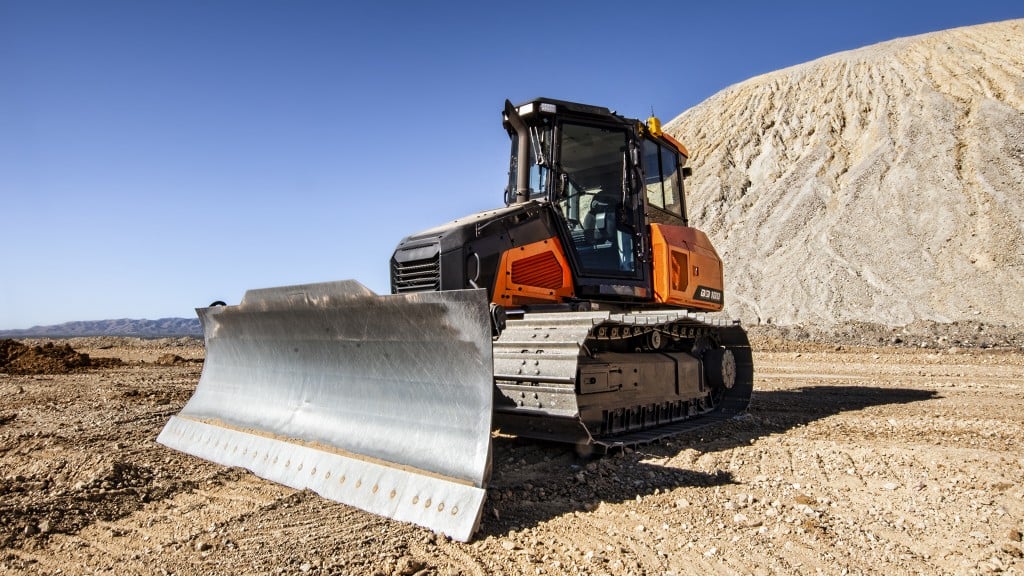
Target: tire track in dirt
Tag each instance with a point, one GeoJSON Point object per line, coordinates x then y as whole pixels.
{"type": "Point", "coordinates": [165, 527]}
{"type": "Point", "coordinates": [454, 559]}
{"type": "Point", "coordinates": [621, 538]}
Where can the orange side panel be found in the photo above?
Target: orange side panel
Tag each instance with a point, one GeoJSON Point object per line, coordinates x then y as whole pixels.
{"type": "Point", "coordinates": [687, 270]}
{"type": "Point", "coordinates": [536, 273]}
{"type": "Point", "coordinates": [541, 270]}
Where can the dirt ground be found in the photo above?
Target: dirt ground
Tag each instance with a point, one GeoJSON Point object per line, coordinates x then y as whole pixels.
{"type": "Point", "coordinates": [851, 460]}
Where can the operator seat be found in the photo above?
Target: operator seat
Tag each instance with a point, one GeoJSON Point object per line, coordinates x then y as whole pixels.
{"type": "Point", "coordinates": [599, 250]}
{"type": "Point", "coordinates": [599, 223]}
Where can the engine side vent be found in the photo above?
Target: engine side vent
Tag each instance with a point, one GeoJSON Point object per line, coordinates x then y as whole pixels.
{"type": "Point", "coordinates": [540, 270]}
{"type": "Point", "coordinates": [421, 275]}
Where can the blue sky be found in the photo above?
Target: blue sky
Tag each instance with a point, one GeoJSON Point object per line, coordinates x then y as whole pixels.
{"type": "Point", "coordinates": [156, 156]}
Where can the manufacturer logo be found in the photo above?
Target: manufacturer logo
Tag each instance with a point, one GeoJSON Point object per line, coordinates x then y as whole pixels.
{"type": "Point", "coordinates": [708, 295]}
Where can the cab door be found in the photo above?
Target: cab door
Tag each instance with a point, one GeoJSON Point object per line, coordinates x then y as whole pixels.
{"type": "Point", "coordinates": [599, 209]}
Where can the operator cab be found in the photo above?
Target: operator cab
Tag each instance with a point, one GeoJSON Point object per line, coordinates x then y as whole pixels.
{"type": "Point", "coordinates": [592, 164]}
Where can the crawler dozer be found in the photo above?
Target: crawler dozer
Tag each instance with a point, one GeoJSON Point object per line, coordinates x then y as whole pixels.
{"type": "Point", "coordinates": [577, 313]}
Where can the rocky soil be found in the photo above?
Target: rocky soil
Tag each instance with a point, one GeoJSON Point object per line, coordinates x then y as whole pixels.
{"type": "Point", "coordinates": [948, 337]}
{"type": "Point", "coordinates": [877, 185]}
{"type": "Point", "coordinates": [852, 459]}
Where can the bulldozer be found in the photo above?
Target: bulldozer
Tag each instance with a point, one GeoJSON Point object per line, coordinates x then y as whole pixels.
{"type": "Point", "coordinates": [581, 312]}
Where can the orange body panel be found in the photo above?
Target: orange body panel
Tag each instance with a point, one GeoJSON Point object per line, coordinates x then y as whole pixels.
{"type": "Point", "coordinates": [536, 273]}
{"type": "Point", "coordinates": [687, 270]}
{"type": "Point", "coordinates": [679, 145]}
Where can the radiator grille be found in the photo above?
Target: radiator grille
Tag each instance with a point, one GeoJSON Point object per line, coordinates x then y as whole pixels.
{"type": "Point", "coordinates": [416, 275]}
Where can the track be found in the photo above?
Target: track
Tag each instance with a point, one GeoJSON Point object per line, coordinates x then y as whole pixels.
{"type": "Point", "coordinates": [539, 358]}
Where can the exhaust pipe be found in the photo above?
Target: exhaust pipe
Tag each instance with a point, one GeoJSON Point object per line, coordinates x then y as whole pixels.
{"type": "Point", "coordinates": [522, 153]}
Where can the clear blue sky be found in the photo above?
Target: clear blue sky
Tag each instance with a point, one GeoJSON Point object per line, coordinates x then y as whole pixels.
{"type": "Point", "coordinates": [156, 156]}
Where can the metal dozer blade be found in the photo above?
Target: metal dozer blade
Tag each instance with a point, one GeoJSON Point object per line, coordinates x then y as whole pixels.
{"type": "Point", "coordinates": [380, 402]}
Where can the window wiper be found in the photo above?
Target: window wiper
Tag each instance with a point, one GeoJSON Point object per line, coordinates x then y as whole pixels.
{"type": "Point", "coordinates": [538, 150]}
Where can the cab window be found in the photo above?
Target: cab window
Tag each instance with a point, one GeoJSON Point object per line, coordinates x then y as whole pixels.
{"type": "Point", "coordinates": [661, 178]}
{"type": "Point", "coordinates": [539, 173]}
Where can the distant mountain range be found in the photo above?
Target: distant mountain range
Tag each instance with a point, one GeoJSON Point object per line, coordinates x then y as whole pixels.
{"type": "Point", "coordinates": [162, 328]}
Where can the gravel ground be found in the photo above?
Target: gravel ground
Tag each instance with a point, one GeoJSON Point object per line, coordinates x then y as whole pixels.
{"type": "Point", "coordinates": [852, 459]}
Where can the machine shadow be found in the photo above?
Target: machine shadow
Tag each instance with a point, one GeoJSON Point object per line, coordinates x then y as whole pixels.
{"type": "Point", "coordinates": [776, 411]}
{"type": "Point", "coordinates": [779, 410]}
{"type": "Point", "coordinates": [534, 481]}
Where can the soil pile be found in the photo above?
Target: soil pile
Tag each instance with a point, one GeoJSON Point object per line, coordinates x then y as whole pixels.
{"type": "Point", "coordinates": [49, 358]}
{"type": "Point", "coordinates": [878, 185]}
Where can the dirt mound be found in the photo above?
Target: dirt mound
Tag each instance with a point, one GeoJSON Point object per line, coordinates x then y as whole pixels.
{"type": "Point", "coordinates": [878, 185]}
{"type": "Point", "coordinates": [48, 358]}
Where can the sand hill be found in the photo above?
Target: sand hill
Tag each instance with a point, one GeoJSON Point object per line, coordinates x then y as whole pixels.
{"type": "Point", "coordinates": [882, 184]}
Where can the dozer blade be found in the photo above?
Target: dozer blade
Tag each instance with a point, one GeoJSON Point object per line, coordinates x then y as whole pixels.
{"type": "Point", "coordinates": [380, 402]}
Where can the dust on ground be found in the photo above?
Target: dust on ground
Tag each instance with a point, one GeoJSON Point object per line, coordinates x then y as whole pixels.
{"type": "Point", "coordinates": [862, 459]}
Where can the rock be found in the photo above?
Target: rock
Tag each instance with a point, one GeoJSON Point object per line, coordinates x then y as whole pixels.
{"type": "Point", "coordinates": [804, 499]}
{"type": "Point", "coordinates": [202, 546]}
{"type": "Point", "coordinates": [980, 536]}
{"type": "Point", "coordinates": [986, 568]}
{"type": "Point", "coordinates": [1014, 535]}
{"type": "Point", "coordinates": [169, 360]}
{"type": "Point", "coordinates": [1012, 550]}
{"type": "Point", "coordinates": [407, 566]}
